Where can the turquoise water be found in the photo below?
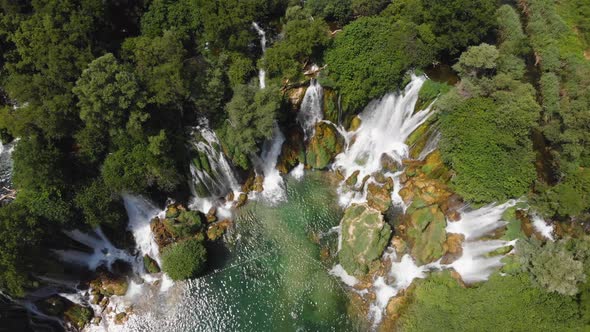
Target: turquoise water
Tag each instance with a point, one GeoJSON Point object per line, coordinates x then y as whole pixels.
{"type": "Point", "coordinates": [273, 279]}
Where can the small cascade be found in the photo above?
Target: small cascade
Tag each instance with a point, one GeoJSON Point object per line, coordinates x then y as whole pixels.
{"type": "Point", "coordinates": [543, 228]}
{"type": "Point", "coordinates": [6, 168]}
{"type": "Point", "coordinates": [431, 145]}
{"type": "Point", "coordinates": [103, 251]}
{"type": "Point", "coordinates": [273, 185]}
{"type": "Point", "coordinates": [402, 274]}
{"type": "Point", "coordinates": [262, 34]}
{"type": "Point", "coordinates": [298, 172]}
{"type": "Point", "coordinates": [392, 117]}
{"type": "Point", "coordinates": [212, 175]}
{"type": "Point", "coordinates": [476, 223]}
{"type": "Point", "coordinates": [311, 108]}
{"type": "Point", "coordinates": [475, 264]}
{"type": "Point", "coordinates": [141, 212]}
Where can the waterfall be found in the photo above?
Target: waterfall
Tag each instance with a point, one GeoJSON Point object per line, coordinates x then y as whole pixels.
{"type": "Point", "coordinates": [103, 251]}
{"type": "Point", "coordinates": [543, 228]}
{"type": "Point", "coordinates": [273, 185]}
{"type": "Point", "coordinates": [6, 166]}
{"type": "Point", "coordinates": [262, 34]}
{"type": "Point", "coordinates": [475, 264]}
{"type": "Point", "coordinates": [476, 223]}
{"type": "Point", "coordinates": [385, 126]}
{"type": "Point", "coordinates": [311, 108]}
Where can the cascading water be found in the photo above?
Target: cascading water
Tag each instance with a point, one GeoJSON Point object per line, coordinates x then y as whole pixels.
{"type": "Point", "coordinates": [273, 184]}
{"type": "Point", "coordinates": [545, 229]}
{"type": "Point", "coordinates": [474, 264]}
{"type": "Point", "coordinates": [385, 126]}
{"type": "Point", "coordinates": [311, 108]}
{"type": "Point", "coordinates": [262, 34]}
{"type": "Point", "coordinates": [6, 170]}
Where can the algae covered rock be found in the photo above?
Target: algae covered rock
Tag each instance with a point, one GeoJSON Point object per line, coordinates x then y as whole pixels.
{"type": "Point", "coordinates": [79, 316]}
{"type": "Point", "coordinates": [108, 284]}
{"type": "Point", "coordinates": [292, 151]}
{"type": "Point", "coordinates": [150, 264]}
{"type": "Point", "coordinates": [365, 234]}
{"type": "Point", "coordinates": [427, 233]}
{"type": "Point", "coordinates": [325, 144]}
{"type": "Point", "coordinates": [379, 197]}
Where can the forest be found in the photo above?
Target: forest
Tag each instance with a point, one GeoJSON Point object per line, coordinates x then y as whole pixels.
{"type": "Point", "coordinates": [99, 98]}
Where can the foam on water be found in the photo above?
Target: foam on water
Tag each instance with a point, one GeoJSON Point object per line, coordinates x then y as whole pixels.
{"type": "Point", "coordinates": [298, 172]}
{"type": "Point", "coordinates": [346, 278]}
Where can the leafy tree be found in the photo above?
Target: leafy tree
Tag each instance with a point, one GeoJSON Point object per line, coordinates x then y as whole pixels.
{"type": "Point", "coordinates": [304, 38]}
{"type": "Point", "coordinates": [372, 54]}
{"type": "Point", "coordinates": [477, 61]}
{"type": "Point", "coordinates": [184, 260]}
{"type": "Point", "coordinates": [552, 266]}
{"type": "Point", "coordinates": [331, 10]}
{"type": "Point", "coordinates": [251, 115]}
{"type": "Point", "coordinates": [164, 15]}
{"type": "Point", "coordinates": [159, 65]}
{"type": "Point", "coordinates": [368, 7]}
{"type": "Point", "coordinates": [99, 204]}
{"type": "Point", "coordinates": [21, 234]}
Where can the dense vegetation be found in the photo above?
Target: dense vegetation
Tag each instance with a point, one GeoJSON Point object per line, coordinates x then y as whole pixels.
{"type": "Point", "coordinates": [102, 96]}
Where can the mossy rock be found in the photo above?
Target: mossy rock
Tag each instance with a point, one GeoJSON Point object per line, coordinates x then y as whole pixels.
{"type": "Point", "coordinates": [292, 151]}
{"type": "Point", "coordinates": [355, 124]}
{"type": "Point", "coordinates": [427, 233]}
{"type": "Point", "coordinates": [379, 197]}
{"type": "Point", "coordinates": [325, 144]}
{"type": "Point", "coordinates": [150, 264]}
{"type": "Point", "coordinates": [78, 316]}
{"type": "Point", "coordinates": [365, 235]}
{"type": "Point", "coordinates": [388, 164]}
{"type": "Point", "coordinates": [352, 179]}
{"type": "Point", "coordinates": [217, 230]}
{"type": "Point", "coordinates": [330, 105]}
{"type": "Point", "coordinates": [172, 211]}
{"type": "Point", "coordinates": [109, 285]}
{"type": "Point", "coordinates": [52, 306]}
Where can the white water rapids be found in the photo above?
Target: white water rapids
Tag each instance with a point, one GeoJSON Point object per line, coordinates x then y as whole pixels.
{"type": "Point", "coordinates": [385, 126]}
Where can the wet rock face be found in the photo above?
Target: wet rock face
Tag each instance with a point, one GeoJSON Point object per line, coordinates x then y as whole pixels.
{"type": "Point", "coordinates": [325, 144]}
{"type": "Point", "coordinates": [78, 316]}
{"type": "Point", "coordinates": [365, 234]}
{"type": "Point", "coordinates": [426, 232]}
{"type": "Point", "coordinates": [108, 285]}
{"type": "Point", "coordinates": [379, 197]}
{"type": "Point", "coordinates": [292, 151]}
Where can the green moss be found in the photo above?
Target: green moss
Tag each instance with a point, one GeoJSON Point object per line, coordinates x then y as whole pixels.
{"type": "Point", "coordinates": [78, 315]}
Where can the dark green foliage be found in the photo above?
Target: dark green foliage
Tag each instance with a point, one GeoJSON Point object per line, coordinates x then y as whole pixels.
{"type": "Point", "coordinates": [331, 10]}
{"type": "Point", "coordinates": [455, 23]}
{"type": "Point", "coordinates": [568, 198]}
{"type": "Point", "coordinates": [99, 204]}
{"type": "Point", "coordinates": [304, 37]}
{"type": "Point", "coordinates": [159, 65]}
{"type": "Point", "coordinates": [508, 303]}
{"type": "Point", "coordinates": [368, 7]}
{"type": "Point", "coordinates": [251, 114]}
{"type": "Point", "coordinates": [20, 233]}
{"type": "Point", "coordinates": [184, 260]}
{"type": "Point", "coordinates": [371, 55]}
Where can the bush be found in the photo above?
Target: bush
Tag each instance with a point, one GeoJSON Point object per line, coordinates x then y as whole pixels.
{"type": "Point", "coordinates": [507, 303]}
{"type": "Point", "coordinates": [184, 260]}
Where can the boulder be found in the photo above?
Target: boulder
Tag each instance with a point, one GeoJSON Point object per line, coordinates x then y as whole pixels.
{"type": "Point", "coordinates": [242, 199]}
{"type": "Point", "coordinates": [216, 230]}
{"type": "Point", "coordinates": [453, 247]}
{"type": "Point", "coordinates": [325, 144]}
{"type": "Point", "coordinates": [295, 96]}
{"type": "Point", "coordinates": [78, 316]}
{"type": "Point", "coordinates": [109, 285]}
{"type": "Point", "coordinates": [426, 232]}
{"type": "Point", "coordinates": [378, 197]}
{"type": "Point", "coordinates": [355, 123]}
{"type": "Point", "coordinates": [388, 164]}
{"type": "Point", "coordinates": [365, 234]}
{"type": "Point", "coordinates": [352, 179]}
{"type": "Point", "coordinates": [150, 264]}
{"type": "Point", "coordinates": [292, 151]}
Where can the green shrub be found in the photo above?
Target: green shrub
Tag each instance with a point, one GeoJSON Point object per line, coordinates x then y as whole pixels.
{"type": "Point", "coordinates": [184, 260]}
